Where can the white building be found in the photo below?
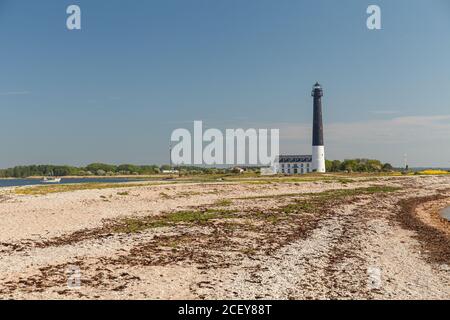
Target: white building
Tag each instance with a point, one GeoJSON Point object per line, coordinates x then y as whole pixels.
{"type": "Point", "coordinates": [294, 164]}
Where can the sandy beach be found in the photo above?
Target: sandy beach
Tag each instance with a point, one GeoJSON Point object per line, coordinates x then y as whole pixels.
{"type": "Point", "coordinates": [356, 238]}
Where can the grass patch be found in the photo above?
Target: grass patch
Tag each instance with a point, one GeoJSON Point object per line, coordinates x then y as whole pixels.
{"type": "Point", "coordinates": [43, 190]}
{"type": "Point", "coordinates": [341, 193]}
{"type": "Point", "coordinates": [329, 193]}
{"type": "Point", "coordinates": [164, 195]}
{"type": "Point", "coordinates": [312, 204]}
{"type": "Point", "coordinates": [133, 225]}
{"type": "Point", "coordinates": [190, 217]}
{"type": "Point", "coordinates": [125, 193]}
{"type": "Point", "coordinates": [304, 206]}
{"type": "Point", "coordinates": [272, 196]}
{"type": "Point", "coordinates": [223, 203]}
{"type": "Point", "coordinates": [316, 201]}
{"type": "Point", "coordinates": [272, 218]}
{"type": "Point", "coordinates": [255, 182]}
{"type": "Point", "coordinates": [248, 251]}
{"type": "Point", "coordinates": [186, 194]}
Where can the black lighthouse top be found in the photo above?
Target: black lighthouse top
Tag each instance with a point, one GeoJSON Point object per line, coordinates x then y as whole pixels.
{"type": "Point", "coordinates": [317, 93]}
{"type": "Point", "coordinates": [317, 90]}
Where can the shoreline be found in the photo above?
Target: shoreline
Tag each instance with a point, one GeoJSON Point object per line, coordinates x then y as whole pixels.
{"type": "Point", "coordinates": [430, 213]}
{"type": "Point", "coordinates": [91, 177]}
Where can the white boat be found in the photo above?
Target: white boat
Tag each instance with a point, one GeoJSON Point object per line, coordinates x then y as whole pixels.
{"type": "Point", "coordinates": [51, 180]}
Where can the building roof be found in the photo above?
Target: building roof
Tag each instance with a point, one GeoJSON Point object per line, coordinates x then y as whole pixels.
{"type": "Point", "coordinates": [294, 158]}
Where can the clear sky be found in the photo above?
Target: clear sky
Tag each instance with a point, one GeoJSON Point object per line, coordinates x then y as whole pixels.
{"type": "Point", "coordinates": [114, 91]}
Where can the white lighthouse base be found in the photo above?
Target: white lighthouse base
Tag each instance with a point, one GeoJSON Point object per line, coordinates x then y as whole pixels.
{"type": "Point", "coordinates": [318, 159]}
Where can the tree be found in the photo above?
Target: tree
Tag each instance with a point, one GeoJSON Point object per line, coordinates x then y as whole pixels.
{"type": "Point", "coordinates": [100, 172]}
{"type": "Point", "coordinates": [329, 165]}
{"type": "Point", "coordinates": [128, 168]}
{"type": "Point", "coordinates": [336, 166]}
{"type": "Point", "coordinates": [94, 167]}
{"type": "Point", "coordinates": [349, 165]}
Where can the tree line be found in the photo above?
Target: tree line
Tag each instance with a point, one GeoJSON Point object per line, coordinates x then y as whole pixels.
{"type": "Point", "coordinates": [103, 169]}
{"type": "Point", "coordinates": [357, 165]}
{"type": "Point", "coordinates": [96, 169]}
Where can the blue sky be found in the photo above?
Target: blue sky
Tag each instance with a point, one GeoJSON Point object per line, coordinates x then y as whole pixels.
{"type": "Point", "coordinates": [114, 91]}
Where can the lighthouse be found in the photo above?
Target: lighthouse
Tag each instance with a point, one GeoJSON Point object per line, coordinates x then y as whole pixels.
{"type": "Point", "coordinates": [318, 148]}
{"type": "Point", "coordinates": [302, 164]}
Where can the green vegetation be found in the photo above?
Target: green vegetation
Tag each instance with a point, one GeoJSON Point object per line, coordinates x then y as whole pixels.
{"type": "Point", "coordinates": [95, 169]}
{"type": "Point", "coordinates": [103, 169]}
{"type": "Point", "coordinates": [315, 201]}
{"type": "Point", "coordinates": [203, 173]}
{"type": "Point", "coordinates": [358, 165]}
{"type": "Point", "coordinates": [40, 170]}
{"type": "Point", "coordinates": [299, 206]}
{"type": "Point", "coordinates": [312, 203]}
{"type": "Point", "coordinates": [330, 194]}
{"type": "Point", "coordinates": [340, 193]}
{"type": "Point", "coordinates": [223, 203]}
{"type": "Point", "coordinates": [43, 189]}
{"type": "Point", "coordinates": [133, 225]}
{"type": "Point", "coordinates": [338, 171]}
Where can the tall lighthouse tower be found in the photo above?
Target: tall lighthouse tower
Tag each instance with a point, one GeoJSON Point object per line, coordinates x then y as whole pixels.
{"type": "Point", "coordinates": [318, 149]}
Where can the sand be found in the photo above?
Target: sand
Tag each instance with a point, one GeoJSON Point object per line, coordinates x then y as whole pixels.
{"type": "Point", "coordinates": [370, 246]}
